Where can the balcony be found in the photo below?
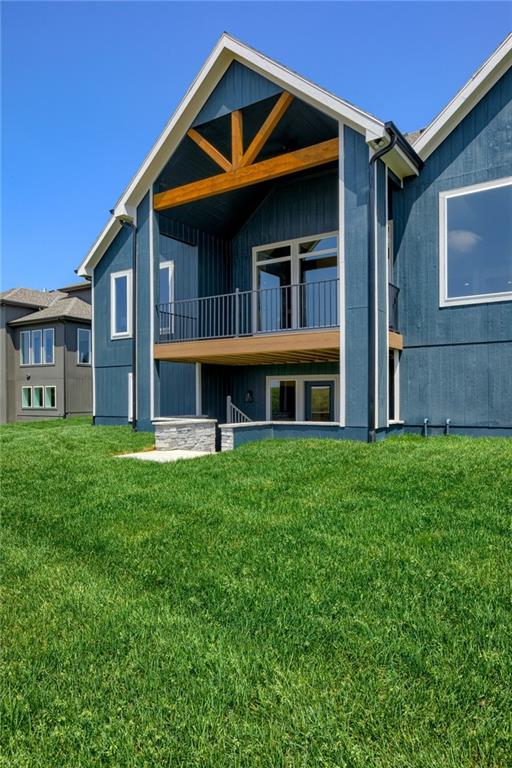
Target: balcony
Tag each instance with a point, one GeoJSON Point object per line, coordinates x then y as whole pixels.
{"type": "Point", "coordinates": [290, 323]}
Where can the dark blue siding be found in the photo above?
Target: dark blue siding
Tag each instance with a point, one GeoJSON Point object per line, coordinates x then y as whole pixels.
{"type": "Point", "coordinates": [112, 357]}
{"type": "Point", "coordinates": [452, 366]}
{"type": "Point", "coordinates": [237, 88]}
{"type": "Point", "coordinates": [382, 298]}
{"type": "Point", "coordinates": [356, 277]}
{"type": "Point", "coordinates": [293, 208]}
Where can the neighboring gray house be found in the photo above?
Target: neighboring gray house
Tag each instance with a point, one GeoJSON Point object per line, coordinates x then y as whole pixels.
{"type": "Point", "coordinates": [45, 353]}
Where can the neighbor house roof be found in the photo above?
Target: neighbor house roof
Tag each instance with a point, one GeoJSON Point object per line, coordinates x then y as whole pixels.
{"type": "Point", "coordinates": [475, 89]}
{"type": "Point", "coordinates": [30, 297]}
{"type": "Point", "coordinates": [75, 287]}
{"type": "Point", "coordinates": [65, 308]}
{"type": "Point", "coordinates": [225, 52]}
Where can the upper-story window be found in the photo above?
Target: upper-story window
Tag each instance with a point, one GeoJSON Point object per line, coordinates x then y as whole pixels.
{"type": "Point", "coordinates": [476, 243]}
{"type": "Point", "coordinates": [121, 304]}
{"type": "Point", "coordinates": [166, 296]}
{"type": "Point", "coordinates": [83, 345]}
{"type": "Point", "coordinates": [37, 347]}
{"type": "Point", "coordinates": [297, 283]}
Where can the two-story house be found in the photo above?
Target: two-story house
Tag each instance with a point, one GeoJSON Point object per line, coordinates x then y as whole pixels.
{"type": "Point", "coordinates": [45, 353]}
{"type": "Point", "coordinates": [285, 264]}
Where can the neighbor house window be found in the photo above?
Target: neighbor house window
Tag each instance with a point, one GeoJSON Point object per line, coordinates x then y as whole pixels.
{"type": "Point", "coordinates": [121, 303]}
{"type": "Point", "coordinates": [37, 397]}
{"type": "Point", "coordinates": [83, 345]}
{"type": "Point", "coordinates": [37, 347]}
{"type": "Point", "coordinates": [302, 398]}
{"type": "Point", "coordinates": [50, 399]}
{"type": "Point", "coordinates": [297, 284]}
{"type": "Point", "coordinates": [166, 297]}
{"type": "Point", "coordinates": [26, 397]}
{"type": "Point", "coordinates": [25, 347]}
{"type": "Point", "coordinates": [48, 346]}
{"type": "Point", "coordinates": [476, 243]}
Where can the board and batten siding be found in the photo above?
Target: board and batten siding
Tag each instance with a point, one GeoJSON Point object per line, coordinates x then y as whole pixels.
{"type": "Point", "coordinates": [112, 357]}
{"type": "Point", "coordinates": [457, 361]}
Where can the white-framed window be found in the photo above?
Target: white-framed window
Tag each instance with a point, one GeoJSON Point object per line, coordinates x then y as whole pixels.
{"type": "Point", "coordinates": [50, 397]}
{"type": "Point", "coordinates": [37, 347]}
{"type": "Point", "coordinates": [26, 397]}
{"type": "Point", "coordinates": [310, 398]}
{"type": "Point", "coordinates": [121, 304]}
{"type": "Point", "coordinates": [475, 243]}
{"type": "Point", "coordinates": [83, 346]}
{"type": "Point", "coordinates": [48, 346]}
{"type": "Point", "coordinates": [37, 397]}
{"type": "Point", "coordinates": [296, 282]}
{"type": "Point", "coordinates": [166, 296]}
{"type": "Point", "coordinates": [25, 348]}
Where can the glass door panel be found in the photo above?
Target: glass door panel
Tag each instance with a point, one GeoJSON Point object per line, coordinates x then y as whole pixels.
{"type": "Point", "coordinates": [319, 401]}
{"type": "Point", "coordinates": [283, 400]}
{"type": "Point", "coordinates": [318, 300]}
{"type": "Point", "coordinates": [274, 303]}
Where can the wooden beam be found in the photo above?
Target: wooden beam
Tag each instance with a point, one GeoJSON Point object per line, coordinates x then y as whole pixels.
{"type": "Point", "coordinates": [266, 129]}
{"type": "Point", "coordinates": [395, 340]}
{"type": "Point", "coordinates": [237, 138]}
{"type": "Point", "coordinates": [282, 165]}
{"type": "Point", "coordinates": [210, 150]}
{"type": "Point", "coordinates": [303, 346]}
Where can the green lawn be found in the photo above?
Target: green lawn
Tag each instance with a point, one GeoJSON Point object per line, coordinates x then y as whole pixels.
{"type": "Point", "coordinates": [293, 604]}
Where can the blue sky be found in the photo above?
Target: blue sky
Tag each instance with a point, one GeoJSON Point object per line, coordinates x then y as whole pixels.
{"type": "Point", "coordinates": [87, 88]}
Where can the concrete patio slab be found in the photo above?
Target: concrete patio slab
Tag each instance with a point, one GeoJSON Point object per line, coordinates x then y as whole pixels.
{"type": "Point", "coordinates": [163, 457]}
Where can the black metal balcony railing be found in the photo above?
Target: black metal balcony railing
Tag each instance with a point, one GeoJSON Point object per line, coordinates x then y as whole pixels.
{"type": "Point", "coordinates": [393, 292]}
{"type": "Point", "coordinates": [246, 313]}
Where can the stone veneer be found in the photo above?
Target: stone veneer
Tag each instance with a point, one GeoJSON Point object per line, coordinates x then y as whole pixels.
{"type": "Point", "coordinates": [185, 434]}
{"type": "Point", "coordinates": [227, 441]}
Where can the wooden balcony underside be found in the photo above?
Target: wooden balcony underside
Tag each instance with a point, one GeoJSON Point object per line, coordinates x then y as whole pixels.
{"type": "Point", "coordinates": [300, 347]}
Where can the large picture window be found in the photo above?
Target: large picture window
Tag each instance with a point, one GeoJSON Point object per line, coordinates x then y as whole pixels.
{"type": "Point", "coordinates": [121, 304]}
{"type": "Point", "coordinates": [297, 284]}
{"type": "Point", "coordinates": [476, 243]}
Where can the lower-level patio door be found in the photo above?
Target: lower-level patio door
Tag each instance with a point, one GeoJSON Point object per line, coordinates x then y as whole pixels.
{"type": "Point", "coordinates": [319, 401]}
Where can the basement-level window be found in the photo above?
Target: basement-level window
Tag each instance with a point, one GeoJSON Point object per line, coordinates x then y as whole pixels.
{"type": "Point", "coordinates": [39, 397]}
{"type": "Point", "coordinates": [476, 243]}
{"type": "Point", "coordinates": [302, 398]}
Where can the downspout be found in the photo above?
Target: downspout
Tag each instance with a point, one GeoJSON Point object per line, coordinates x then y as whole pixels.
{"type": "Point", "coordinates": [372, 271]}
{"type": "Point", "coordinates": [128, 222]}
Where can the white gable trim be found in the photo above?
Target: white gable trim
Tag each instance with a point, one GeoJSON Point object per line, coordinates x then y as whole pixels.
{"type": "Point", "coordinates": [467, 98]}
{"type": "Point", "coordinates": [227, 50]}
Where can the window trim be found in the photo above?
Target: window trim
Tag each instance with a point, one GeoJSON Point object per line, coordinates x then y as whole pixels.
{"type": "Point", "coordinates": [458, 301]}
{"type": "Point", "coordinates": [38, 407]}
{"type": "Point", "coordinates": [295, 257]}
{"type": "Point", "coordinates": [129, 308]}
{"type": "Point", "coordinates": [50, 407]}
{"type": "Point", "coordinates": [44, 332]}
{"type": "Point", "coordinates": [300, 396]}
{"type": "Point", "coordinates": [78, 361]}
{"type": "Point", "coordinates": [26, 407]}
{"type": "Point", "coordinates": [169, 264]}
{"type": "Point", "coordinates": [43, 362]}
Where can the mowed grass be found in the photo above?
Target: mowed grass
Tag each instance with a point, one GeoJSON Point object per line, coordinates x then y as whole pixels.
{"type": "Point", "coordinates": [290, 604]}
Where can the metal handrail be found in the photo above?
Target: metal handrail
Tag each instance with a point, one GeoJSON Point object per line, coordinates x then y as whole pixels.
{"type": "Point", "coordinates": [246, 313]}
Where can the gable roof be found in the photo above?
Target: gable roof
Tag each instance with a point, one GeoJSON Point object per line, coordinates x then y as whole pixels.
{"type": "Point", "coordinates": [463, 102]}
{"type": "Point", "coordinates": [225, 52]}
{"type": "Point", "coordinates": [30, 297]}
{"type": "Point", "coordinates": [65, 308]}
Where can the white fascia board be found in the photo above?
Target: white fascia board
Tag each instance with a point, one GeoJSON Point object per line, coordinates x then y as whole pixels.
{"type": "Point", "coordinates": [227, 50]}
{"type": "Point", "coordinates": [467, 98]}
